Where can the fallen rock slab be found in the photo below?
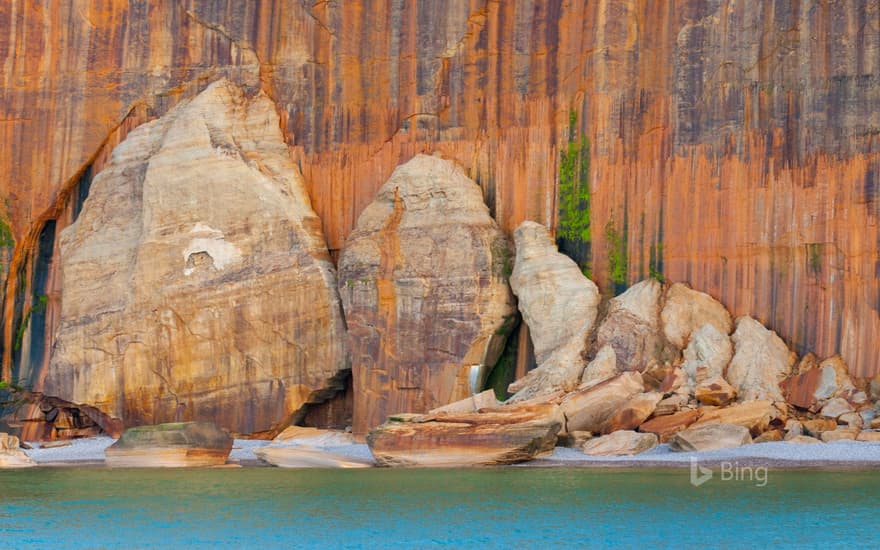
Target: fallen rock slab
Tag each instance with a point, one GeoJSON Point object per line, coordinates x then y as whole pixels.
{"type": "Point", "coordinates": [667, 426]}
{"type": "Point", "coordinates": [836, 407]}
{"type": "Point", "coordinates": [756, 416]}
{"type": "Point", "coordinates": [869, 435]}
{"type": "Point", "coordinates": [172, 445]}
{"type": "Point", "coordinates": [591, 408]}
{"type": "Point", "coordinates": [631, 415]}
{"type": "Point", "coordinates": [716, 392]}
{"type": "Point", "coordinates": [800, 439]}
{"type": "Point", "coordinates": [817, 426]}
{"type": "Point", "coordinates": [841, 433]}
{"type": "Point", "coordinates": [504, 435]}
{"type": "Point", "coordinates": [710, 437]}
{"type": "Point", "coordinates": [623, 442]}
{"type": "Point", "coordinates": [314, 437]}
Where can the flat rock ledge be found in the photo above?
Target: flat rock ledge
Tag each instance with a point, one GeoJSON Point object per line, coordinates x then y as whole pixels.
{"type": "Point", "coordinates": [491, 436]}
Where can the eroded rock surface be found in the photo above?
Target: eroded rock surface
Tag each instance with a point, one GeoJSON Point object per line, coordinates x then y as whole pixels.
{"type": "Point", "coordinates": [687, 310]}
{"type": "Point", "coordinates": [632, 326]}
{"type": "Point", "coordinates": [559, 304]}
{"type": "Point", "coordinates": [423, 283]}
{"type": "Point", "coordinates": [760, 362]}
{"type": "Point", "coordinates": [196, 281]}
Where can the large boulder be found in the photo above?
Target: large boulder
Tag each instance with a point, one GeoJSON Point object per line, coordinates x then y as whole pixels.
{"type": "Point", "coordinates": [303, 447]}
{"type": "Point", "coordinates": [171, 445]}
{"type": "Point", "coordinates": [623, 442]}
{"type": "Point", "coordinates": [686, 310]}
{"type": "Point", "coordinates": [590, 409]}
{"type": "Point", "coordinates": [11, 455]}
{"type": "Point", "coordinates": [707, 354]}
{"type": "Point", "coordinates": [710, 437]}
{"type": "Point", "coordinates": [632, 326]}
{"type": "Point", "coordinates": [196, 281]}
{"type": "Point", "coordinates": [715, 392]}
{"type": "Point", "coordinates": [423, 280]}
{"type": "Point", "coordinates": [559, 305]}
{"type": "Point", "coordinates": [602, 367]}
{"type": "Point", "coordinates": [504, 435]}
{"type": "Point", "coordinates": [760, 362]}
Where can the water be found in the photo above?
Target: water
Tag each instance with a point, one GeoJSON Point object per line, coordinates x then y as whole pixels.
{"type": "Point", "coordinates": [487, 508]}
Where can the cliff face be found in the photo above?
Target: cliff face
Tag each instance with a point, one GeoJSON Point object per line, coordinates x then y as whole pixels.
{"type": "Point", "coordinates": [730, 144]}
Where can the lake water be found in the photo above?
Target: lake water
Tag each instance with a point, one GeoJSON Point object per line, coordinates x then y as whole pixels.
{"type": "Point", "coordinates": [486, 508]}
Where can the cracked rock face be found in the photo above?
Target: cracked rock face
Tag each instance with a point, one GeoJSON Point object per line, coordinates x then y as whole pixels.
{"type": "Point", "coordinates": [423, 283]}
{"type": "Point", "coordinates": [196, 282]}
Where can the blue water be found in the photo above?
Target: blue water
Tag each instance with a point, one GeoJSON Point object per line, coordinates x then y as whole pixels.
{"type": "Point", "coordinates": [486, 508]}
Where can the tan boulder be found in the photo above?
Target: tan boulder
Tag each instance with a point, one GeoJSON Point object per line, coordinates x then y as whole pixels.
{"type": "Point", "coordinates": [667, 426]}
{"type": "Point", "coordinates": [851, 419]}
{"type": "Point", "coordinates": [707, 354]}
{"type": "Point", "coordinates": [602, 367]}
{"type": "Point", "coordinates": [559, 305]}
{"type": "Point", "coordinates": [869, 435]}
{"type": "Point", "coordinates": [631, 415]}
{"type": "Point", "coordinates": [710, 437]}
{"type": "Point", "coordinates": [196, 281]}
{"type": "Point", "coordinates": [756, 416]}
{"type": "Point", "coordinates": [770, 436]}
{"type": "Point", "coordinates": [423, 283]}
{"type": "Point", "coordinates": [761, 360]}
{"type": "Point", "coordinates": [11, 455]}
{"type": "Point", "coordinates": [793, 428]}
{"type": "Point", "coordinates": [504, 435]}
{"type": "Point", "coordinates": [841, 433]}
{"type": "Point", "coordinates": [801, 439]}
{"type": "Point", "coordinates": [817, 426]}
{"type": "Point", "coordinates": [676, 379]}
{"type": "Point", "coordinates": [715, 392]}
{"type": "Point", "coordinates": [686, 311]}
{"type": "Point", "coordinates": [632, 326]}
{"type": "Point", "coordinates": [623, 442]}
{"type": "Point", "coordinates": [591, 408]}
{"type": "Point", "coordinates": [836, 407]}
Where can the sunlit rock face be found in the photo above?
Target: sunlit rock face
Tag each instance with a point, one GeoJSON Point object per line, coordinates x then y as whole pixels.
{"type": "Point", "coordinates": [423, 279]}
{"type": "Point", "coordinates": [196, 282]}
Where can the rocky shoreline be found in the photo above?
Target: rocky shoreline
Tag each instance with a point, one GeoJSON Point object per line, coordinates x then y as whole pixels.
{"type": "Point", "coordinates": [838, 455]}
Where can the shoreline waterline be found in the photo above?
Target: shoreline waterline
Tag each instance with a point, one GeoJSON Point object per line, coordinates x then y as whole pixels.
{"type": "Point", "coordinates": [838, 455]}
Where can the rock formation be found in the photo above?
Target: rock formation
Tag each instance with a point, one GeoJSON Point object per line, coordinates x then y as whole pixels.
{"type": "Point", "coordinates": [623, 442]}
{"type": "Point", "coordinates": [760, 363]}
{"type": "Point", "coordinates": [559, 304]}
{"type": "Point", "coordinates": [707, 354]}
{"type": "Point", "coordinates": [710, 437]}
{"type": "Point", "coordinates": [632, 326]}
{"type": "Point", "coordinates": [11, 456]}
{"type": "Point", "coordinates": [720, 141]}
{"type": "Point", "coordinates": [686, 310]}
{"type": "Point", "coordinates": [196, 281]}
{"type": "Point", "coordinates": [490, 437]}
{"type": "Point", "coordinates": [423, 280]}
{"type": "Point", "coordinates": [171, 445]}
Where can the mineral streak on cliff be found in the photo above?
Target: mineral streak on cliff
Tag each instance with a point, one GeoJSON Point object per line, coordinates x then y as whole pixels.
{"type": "Point", "coordinates": [735, 143]}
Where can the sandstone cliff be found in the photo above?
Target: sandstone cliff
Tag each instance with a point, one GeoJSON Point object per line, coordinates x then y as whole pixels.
{"type": "Point", "coordinates": [732, 145]}
{"type": "Point", "coordinates": [196, 281]}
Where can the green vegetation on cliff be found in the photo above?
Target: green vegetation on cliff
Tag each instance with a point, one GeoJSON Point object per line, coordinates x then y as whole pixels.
{"type": "Point", "coordinates": [618, 268]}
{"type": "Point", "coordinates": [573, 231]}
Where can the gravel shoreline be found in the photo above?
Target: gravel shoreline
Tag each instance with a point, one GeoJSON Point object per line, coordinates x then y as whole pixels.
{"type": "Point", "coordinates": [836, 455]}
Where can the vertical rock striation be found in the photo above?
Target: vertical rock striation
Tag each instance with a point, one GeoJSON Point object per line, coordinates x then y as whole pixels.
{"type": "Point", "coordinates": [423, 280]}
{"type": "Point", "coordinates": [196, 281]}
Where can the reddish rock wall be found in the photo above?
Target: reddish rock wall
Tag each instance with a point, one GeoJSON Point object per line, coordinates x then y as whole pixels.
{"type": "Point", "coordinates": [738, 142]}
